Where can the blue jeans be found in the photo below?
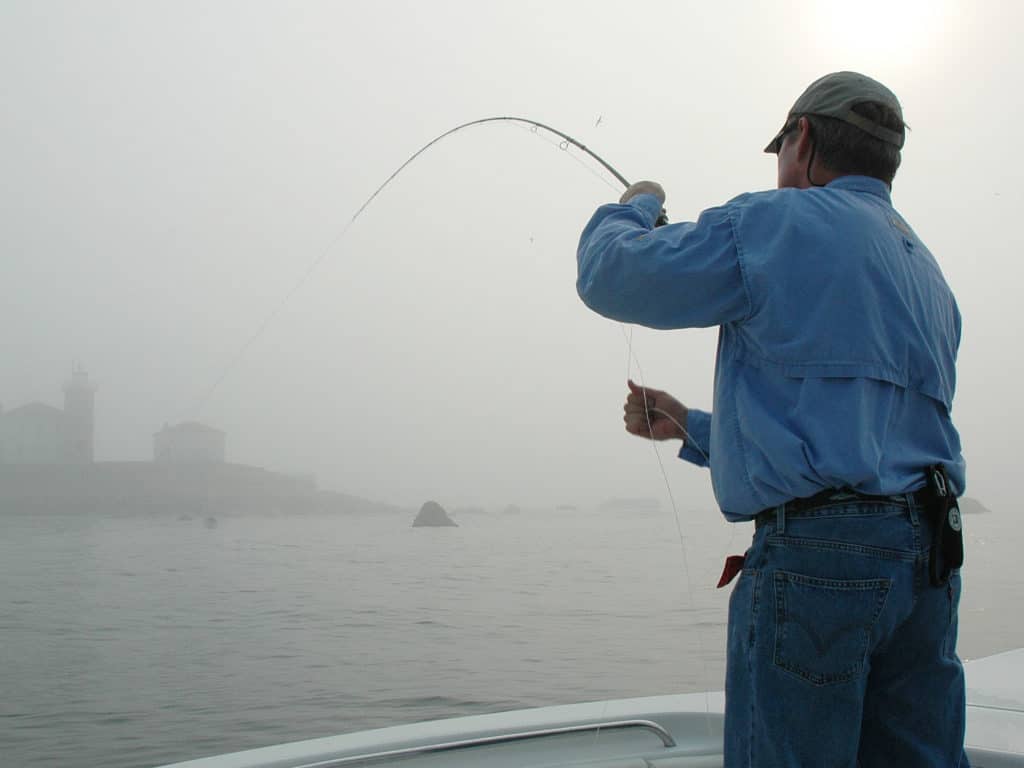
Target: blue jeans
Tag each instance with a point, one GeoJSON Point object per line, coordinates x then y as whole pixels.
{"type": "Point", "coordinates": [840, 652]}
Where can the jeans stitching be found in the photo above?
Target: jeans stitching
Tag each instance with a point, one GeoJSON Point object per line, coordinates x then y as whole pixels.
{"type": "Point", "coordinates": [828, 545]}
{"type": "Point", "coordinates": [840, 510]}
{"type": "Point", "coordinates": [751, 644]}
{"type": "Point", "coordinates": [781, 578]}
{"type": "Point", "coordinates": [953, 607]}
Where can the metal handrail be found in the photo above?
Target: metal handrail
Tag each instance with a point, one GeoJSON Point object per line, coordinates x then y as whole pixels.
{"type": "Point", "coordinates": [425, 749]}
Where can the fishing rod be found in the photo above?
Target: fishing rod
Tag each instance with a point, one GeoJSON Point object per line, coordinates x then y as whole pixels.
{"type": "Point", "coordinates": [534, 125]}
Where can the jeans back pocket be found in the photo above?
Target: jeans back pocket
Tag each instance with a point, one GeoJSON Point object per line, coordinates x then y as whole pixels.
{"type": "Point", "coordinates": [823, 626]}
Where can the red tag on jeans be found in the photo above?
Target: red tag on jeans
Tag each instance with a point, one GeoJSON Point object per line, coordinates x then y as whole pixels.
{"type": "Point", "coordinates": [733, 565]}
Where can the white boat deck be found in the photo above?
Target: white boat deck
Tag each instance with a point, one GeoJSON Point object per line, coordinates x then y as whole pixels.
{"type": "Point", "coordinates": [681, 731]}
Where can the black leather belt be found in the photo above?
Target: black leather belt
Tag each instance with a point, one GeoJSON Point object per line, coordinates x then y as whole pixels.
{"type": "Point", "coordinates": [796, 507]}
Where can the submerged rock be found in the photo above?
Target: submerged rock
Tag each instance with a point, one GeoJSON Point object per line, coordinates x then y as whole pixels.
{"type": "Point", "coordinates": [433, 514]}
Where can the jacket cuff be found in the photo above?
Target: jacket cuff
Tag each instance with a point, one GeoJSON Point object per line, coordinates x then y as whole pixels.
{"type": "Point", "coordinates": [650, 205]}
{"type": "Point", "coordinates": [696, 448]}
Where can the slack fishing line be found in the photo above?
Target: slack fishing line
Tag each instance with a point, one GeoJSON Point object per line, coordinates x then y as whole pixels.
{"type": "Point", "coordinates": [632, 359]}
{"type": "Point", "coordinates": [565, 142]}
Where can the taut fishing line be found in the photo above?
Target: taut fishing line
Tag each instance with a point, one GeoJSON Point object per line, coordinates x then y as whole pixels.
{"type": "Point", "coordinates": [532, 125]}
{"type": "Point", "coordinates": [565, 142]}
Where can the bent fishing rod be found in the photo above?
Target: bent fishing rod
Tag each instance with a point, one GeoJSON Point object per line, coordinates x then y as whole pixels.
{"type": "Point", "coordinates": [533, 124]}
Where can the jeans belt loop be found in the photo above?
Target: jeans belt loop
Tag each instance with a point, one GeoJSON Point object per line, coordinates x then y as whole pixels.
{"type": "Point", "coordinates": [780, 519]}
{"type": "Point", "coordinates": [911, 507]}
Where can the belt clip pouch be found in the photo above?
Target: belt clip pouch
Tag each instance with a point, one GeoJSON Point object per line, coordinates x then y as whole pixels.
{"type": "Point", "coordinates": [948, 542]}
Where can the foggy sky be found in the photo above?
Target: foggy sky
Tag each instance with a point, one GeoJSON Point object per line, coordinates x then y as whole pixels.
{"type": "Point", "coordinates": [171, 169]}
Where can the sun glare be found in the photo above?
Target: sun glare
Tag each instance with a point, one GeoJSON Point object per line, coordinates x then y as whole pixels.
{"type": "Point", "coordinates": [880, 34]}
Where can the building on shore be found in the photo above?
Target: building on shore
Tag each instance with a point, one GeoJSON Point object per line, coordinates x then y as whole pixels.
{"type": "Point", "coordinates": [47, 465]}
{"type": "Point", "coordinates": [189, 443]}
{"type": "Point", "coordinates": [37, 433]}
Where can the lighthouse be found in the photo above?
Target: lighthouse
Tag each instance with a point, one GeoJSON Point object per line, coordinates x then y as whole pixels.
{"type": "Point", "coordinates": [79, 394]}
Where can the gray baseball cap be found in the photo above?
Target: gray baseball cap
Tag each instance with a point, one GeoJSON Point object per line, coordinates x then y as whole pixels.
{"type": "Point", "coordinates": [835, 95]}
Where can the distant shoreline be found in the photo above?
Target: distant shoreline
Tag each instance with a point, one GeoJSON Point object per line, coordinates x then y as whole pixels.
{"type": "Point", "coordinates": [183, 488]}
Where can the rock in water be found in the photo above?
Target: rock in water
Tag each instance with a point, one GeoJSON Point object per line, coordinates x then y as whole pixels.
{"type": "Point", "coordinates": [433, 514]}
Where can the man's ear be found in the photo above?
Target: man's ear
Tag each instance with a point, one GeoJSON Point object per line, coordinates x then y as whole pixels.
{"type": "Point", "coordinates": [804, 140]}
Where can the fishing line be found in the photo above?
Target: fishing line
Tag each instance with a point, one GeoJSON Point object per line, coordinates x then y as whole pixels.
{"type": "Point", "coordinates": [531, 125]}
{"type": "Point", "coordinates": [535, 127]}
{"type": "Point", "coordinates": [630, 359]}
{"type": "Point", "coordinates": [562, 146]}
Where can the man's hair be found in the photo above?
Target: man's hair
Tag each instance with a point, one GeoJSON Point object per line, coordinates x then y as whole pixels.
{"type": "Point", "coordinates": [845, 148]}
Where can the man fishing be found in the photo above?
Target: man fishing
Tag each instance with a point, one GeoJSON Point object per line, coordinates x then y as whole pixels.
{"type": "Point", "coordinates": [830, 430]}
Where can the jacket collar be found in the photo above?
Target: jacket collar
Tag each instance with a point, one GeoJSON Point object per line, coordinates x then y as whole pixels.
{"type": "Point", "coordinates": [867, 184]}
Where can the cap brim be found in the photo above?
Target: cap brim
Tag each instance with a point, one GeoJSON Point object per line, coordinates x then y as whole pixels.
{"type": "Point", "coordinates": [776, 144]}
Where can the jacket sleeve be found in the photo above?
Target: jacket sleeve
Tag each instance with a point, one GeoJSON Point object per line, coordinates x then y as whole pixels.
{"type": "Point", "coordinates": [684, 275]}
{"type": "Point", "coordinates": [696, 447]}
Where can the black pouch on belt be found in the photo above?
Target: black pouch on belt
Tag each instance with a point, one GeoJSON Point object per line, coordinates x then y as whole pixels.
{"type": "Point", "coordinates": [948, 540]}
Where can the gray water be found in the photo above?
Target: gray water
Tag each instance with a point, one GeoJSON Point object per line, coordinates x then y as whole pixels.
{"type": "Point", "coordinates": [137, 640]}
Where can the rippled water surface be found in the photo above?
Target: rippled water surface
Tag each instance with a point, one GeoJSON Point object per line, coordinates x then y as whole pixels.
{"type": "Point", "coordinates": [134, 641]}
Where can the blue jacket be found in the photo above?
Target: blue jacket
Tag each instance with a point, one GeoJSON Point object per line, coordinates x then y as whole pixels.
{"type": "Point", "coordinates": [837, 342]}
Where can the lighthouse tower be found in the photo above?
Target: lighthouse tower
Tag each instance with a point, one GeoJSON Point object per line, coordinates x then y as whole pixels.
{"type": "Point", "coordinates": [79, 394]}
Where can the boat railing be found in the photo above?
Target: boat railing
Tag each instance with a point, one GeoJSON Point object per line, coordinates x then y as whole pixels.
{"type": "Point", "coordinates": [501, 738]}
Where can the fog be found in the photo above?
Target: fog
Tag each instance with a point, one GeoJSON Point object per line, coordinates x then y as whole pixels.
{"type": "Point", "coordinates": [172, 169]}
